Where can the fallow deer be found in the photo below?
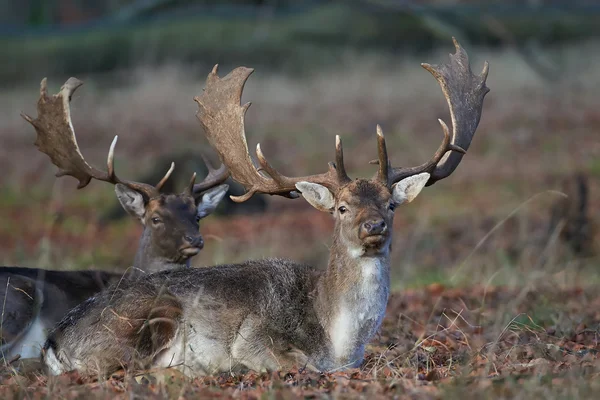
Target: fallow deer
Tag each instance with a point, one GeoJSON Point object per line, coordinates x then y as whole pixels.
{"type": "Point", "coordinates": [36, 299]}
{"type": "Point", "coordinates": [270, 314]}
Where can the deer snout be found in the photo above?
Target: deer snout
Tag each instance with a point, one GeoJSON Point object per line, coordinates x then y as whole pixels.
{"type": "Point", "coordinates": [374, 227]}
{"type": "Point", "coordinates": [194, 241]}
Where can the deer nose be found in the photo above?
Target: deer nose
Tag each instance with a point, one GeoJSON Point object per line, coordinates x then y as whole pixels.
{"type": "Point", "coordinates": [194, 241]}
{"type": "Point", "coordinates": [375, 227]}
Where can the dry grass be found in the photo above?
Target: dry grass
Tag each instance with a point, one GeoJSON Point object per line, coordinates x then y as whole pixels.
{"type": "Point", "coordinates": [482, 284]}
{"type": "Point", "coordinates": [436, 342]}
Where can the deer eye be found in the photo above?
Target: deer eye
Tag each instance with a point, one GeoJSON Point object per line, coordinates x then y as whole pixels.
{"type": "Point", "coordinates": [342, 209]}
{"type": "Point", "coordinates": [392, 206]}
{"type": "Point", "coordinates": [155, 220]}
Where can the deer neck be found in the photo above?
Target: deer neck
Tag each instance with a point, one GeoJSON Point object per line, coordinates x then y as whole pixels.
{"type": "Point", "coordinates": [351, 299]}
{"type": "Point", "coordinates": [147, 259]}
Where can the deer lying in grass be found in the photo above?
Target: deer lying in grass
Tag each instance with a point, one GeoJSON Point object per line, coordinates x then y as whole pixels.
{"type": "Point", "coordinates": [36, 299]}
{"type": "Point", "coordinates": [270, 314]}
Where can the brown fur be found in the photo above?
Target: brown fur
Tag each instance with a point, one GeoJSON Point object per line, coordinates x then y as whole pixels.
{"type": "Point", "coordinates": [31, 294]}
{"type": "Point", "coordinates": [171, 235]}
{"type": "Point", "coordinates": [138, 326]}
{"type": "Point", "coordinates": [261, 314]}
{"type": "Point", "coordinates": [46, 296]}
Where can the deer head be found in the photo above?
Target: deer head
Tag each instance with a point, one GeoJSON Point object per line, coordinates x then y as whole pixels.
{"type": "Point", "coordinates": [363, 209]}
{"type": "Point", "coordinates": [171, 221]}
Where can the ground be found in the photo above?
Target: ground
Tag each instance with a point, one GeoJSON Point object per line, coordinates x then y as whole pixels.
{"type": "Point", "coordinates": [435, 342]}
{"type": "Point", "coordinates": [491, 296]}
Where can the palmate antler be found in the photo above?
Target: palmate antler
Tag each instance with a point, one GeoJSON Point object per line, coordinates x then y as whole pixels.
{"type": "Point", "coordinates": [222, 116]}
{"type": "Point", "coordinates": [56, 138]}
{"type": "Point", "coordinates": [464, 93]}
{"type": "Point", "coordinates": [215, 177]}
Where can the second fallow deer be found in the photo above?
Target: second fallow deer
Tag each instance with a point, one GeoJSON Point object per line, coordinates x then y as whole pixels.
{"type": "Point", "coordinates": [270, 314]}
{"type": "Point", "coordinates": [170, 220]}
{"type": "Point", "coordinates": [35, 298]}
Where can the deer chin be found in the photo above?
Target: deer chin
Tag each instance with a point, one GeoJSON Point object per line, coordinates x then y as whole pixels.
{"type": "Point", "coordinates": [189, 251]}
{"type": "Point", "coordinates": [374, 244]}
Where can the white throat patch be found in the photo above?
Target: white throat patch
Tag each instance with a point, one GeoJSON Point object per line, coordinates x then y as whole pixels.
{"type": "Point", "coordinates": [361, 311]}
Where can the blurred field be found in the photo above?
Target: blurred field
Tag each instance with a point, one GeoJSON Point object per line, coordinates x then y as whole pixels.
{"type": "Point", "coordinates": [532, 136]}
{"type": "Point", "coordinates": [490, 300]}
{"type": "Point", "coordinates": [86, 36]}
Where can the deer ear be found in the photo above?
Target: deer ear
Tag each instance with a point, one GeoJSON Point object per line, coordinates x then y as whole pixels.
{"type": "Point", "coordinates": [211, 199]}
{"type": "Point", "coordinates": [131, 200]}
{"type": "Point", "coordinates": [317, 195]}
{"type": "Point", "coordinates": [407, 189]}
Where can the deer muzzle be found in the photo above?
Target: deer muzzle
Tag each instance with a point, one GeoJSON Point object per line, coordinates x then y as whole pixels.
{"type": "Point", "coordinates": [192, 244]}
{"type": "Point", "coordinates": [376, 227]}
{"type": "Point", "coordinates": [374, 231]}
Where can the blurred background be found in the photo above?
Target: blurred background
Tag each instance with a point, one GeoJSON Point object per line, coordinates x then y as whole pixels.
{"type": "Point", "coordinates": [522, 205]}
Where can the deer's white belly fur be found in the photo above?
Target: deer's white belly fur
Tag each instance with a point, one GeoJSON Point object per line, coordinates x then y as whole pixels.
{"type": "Point", "coordinates": [196, 351]}
{"type": "Point", "coordinates": [360, 314]}
{"type": "Point", "coordinates": [30, 345]}
{"type": "Point", "coordinates": [192, 349]}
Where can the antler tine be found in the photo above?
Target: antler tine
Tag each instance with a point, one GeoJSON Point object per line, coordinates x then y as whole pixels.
{"type": "Point", "coordinates": [342, 176]}
{"type": "Point", "coordinates": [56, 138]}
{"type": "Point", "coordinates": [222, 116]}
{"type": "Point", "coordinates": [400, 173]}
{"type": "Point", "coordinates": [110, 161]}
{"type": "Point", "coordinates": [337, 167]}
{"type": "Point", "coordinates": [384, 163]}
{"type": "Point", "coordinates": [464, 93]}
{"type": "Point", "coordinates": [162, 182]}
{"type": "Point", "coordinates": [189, 190]}
{"type": "Point", "coordinates": [148, 190]}
{"type": "Point", "coordinates": [214, 177]}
